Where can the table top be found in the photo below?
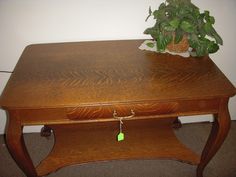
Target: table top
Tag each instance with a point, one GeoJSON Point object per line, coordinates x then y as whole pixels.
{"type": "Point", "coordinates": [108, 72]}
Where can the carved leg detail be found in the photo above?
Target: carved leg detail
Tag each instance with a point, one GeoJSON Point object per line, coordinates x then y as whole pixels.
{"type": "Point", "coordinates": [46, 131]}
{"type": "Point", "coordinates": [177, 123]}
{"type": "Point", "coordinates": [219, 131]}
{"type": "Point", "coordinates": [16, 145]}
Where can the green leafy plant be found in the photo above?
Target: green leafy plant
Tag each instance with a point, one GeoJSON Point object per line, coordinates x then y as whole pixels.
{"type": "Point", "coordinates": [182, 17]}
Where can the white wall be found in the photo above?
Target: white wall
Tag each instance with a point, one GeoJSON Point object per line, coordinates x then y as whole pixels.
{"type": "Point", "coordinates": [31, 21]}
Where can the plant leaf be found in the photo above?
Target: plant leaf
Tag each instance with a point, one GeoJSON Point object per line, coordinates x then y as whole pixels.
{"type": "Point", "coordinates": [208, 27]}
{"type": "Point", "coordinates": [150, 10]}
{"type": "Point", "coordinates": [162, 6]}
{"type": "Point", "coordinates": [150, 44]}
{"type": "Point", "coordinates": [211, 20]}
{"type": "Point", "coordinates": [201, 51]}
{"type": "Point", "coordinates": [217, 37]}
{"type": "Point", "coordinates": [178, 36]}
{"type": "Point", "coordinates": [202, 47]}
{"type": "Point", "coordinates": [153, 32]}
{"type": "Point", "coordinates": [149, 13]}
{"type": "Point", "coordinates": [206, 12]}
{"type": "Point", "coordinates": [212, 47]}
{"type": "Point", "coordinates": [187, 26]}
{"type": "Point", "coordinates": [168, 38]}
{"type": "Point", "coordinates": [161, 44]}
{"type": "Point", "coordinates": [159, 14]}
{"type": "Point", "coordinates": [208, 18]}
{"type": "Point", "coordinates": [202, 32]}
{"type": "Point", "coordinates": [174, 23]}
{"type": "Point", "coordinates": [167, 27]}
{"type": "Point", "coordinates": [212, 32]}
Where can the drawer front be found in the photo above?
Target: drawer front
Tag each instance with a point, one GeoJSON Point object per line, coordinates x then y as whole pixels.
{"type": "Point", "coordinates": [121, 110]}
{"type": "Point", "coordinates": [165, 109]}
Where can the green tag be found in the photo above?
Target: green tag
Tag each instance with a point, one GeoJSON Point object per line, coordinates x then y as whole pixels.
{"type": "Point", "coordinates": [120, 136]}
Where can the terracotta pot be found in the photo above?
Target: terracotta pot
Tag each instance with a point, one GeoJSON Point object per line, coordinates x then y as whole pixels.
{"type": "Point", "coordinates": [181, 47]}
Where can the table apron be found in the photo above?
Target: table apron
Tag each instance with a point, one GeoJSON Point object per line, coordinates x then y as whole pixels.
{"type": "Point", "coordinates": [98, 113]}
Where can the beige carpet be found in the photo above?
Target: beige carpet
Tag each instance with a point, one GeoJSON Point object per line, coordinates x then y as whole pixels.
{"type": "Point", "coordinates": [193, 135]}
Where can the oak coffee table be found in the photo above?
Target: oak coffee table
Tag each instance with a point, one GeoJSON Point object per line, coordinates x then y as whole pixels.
{"type": "Point", "coordinates": [84, 91]}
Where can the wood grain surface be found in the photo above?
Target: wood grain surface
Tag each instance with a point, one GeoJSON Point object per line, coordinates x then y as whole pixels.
{"type": "Point", "coordinates": [106, 72]}
{"type": "Point", "coordinates": [144, 139]}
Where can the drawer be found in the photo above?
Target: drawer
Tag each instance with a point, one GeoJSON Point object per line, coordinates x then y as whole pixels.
{"type": "Point", "coordinates": [121, 110]}
{"type": "Point", "coordinates": [95, 112]}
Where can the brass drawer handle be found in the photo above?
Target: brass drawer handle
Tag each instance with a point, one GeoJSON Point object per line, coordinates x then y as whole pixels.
{"type": "Point", "coordinates": [125, 117]}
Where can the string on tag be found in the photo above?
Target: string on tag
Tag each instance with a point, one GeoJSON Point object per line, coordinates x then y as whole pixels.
{"type": "Point", "coordinates": [121, 135]}
{"type": "Point", "coordinates": [121, 123]}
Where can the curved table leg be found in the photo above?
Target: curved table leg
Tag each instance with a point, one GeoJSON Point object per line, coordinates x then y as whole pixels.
{"type": "Point", "coordinates": [16, 145]}
{"type": "Point", "coordinates": [219, 131]}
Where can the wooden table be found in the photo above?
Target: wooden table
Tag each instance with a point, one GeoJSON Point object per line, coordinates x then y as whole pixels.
{"type": "Point", "coordinates": [81, 90]}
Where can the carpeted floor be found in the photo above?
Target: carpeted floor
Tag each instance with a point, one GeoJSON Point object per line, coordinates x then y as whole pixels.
{"type": "Point", "coordinates": [193, 135]}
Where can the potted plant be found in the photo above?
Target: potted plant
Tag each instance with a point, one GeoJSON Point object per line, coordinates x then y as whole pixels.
{"type": "Point", "coordinates": [180, 25]}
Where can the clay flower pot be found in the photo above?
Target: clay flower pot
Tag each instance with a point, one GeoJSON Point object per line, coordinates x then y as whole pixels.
{"type": "Point", "coordinates": [180, 47]}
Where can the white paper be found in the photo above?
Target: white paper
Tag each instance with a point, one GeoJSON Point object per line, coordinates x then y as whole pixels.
{"type": "Point", "coordinates": [144, 46]}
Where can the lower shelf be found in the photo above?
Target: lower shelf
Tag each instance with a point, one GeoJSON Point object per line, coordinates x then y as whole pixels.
{"type": "Point", "coordinates": [90, 142]}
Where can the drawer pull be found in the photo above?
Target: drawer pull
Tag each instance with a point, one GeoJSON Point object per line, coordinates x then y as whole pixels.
{"type": "Point", "coordinates": [125, 117]}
